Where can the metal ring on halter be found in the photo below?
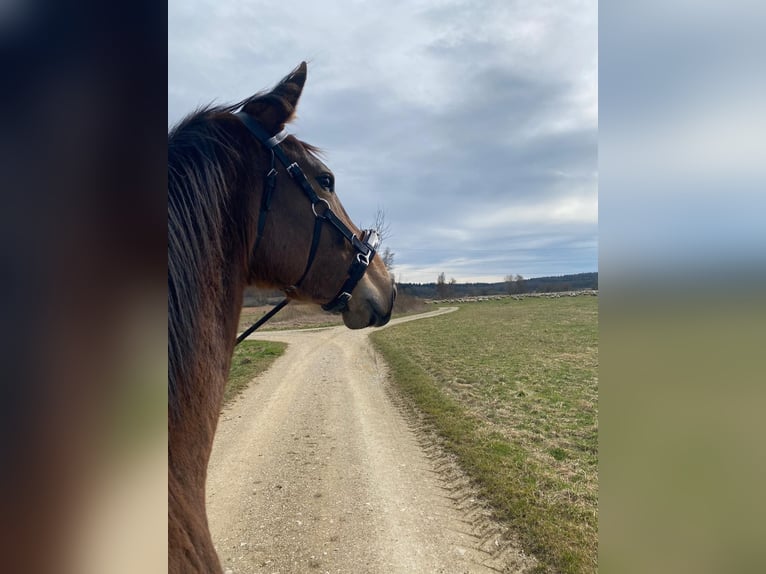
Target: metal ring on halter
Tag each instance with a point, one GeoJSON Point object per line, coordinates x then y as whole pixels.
{"type": "Point", "coordinates": [364, 258]}
{"type": "Point", "coordinates": [314, 208]}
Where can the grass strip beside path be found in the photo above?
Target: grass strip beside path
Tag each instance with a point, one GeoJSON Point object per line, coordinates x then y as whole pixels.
{"type": "Point", "coordinates": [511, 386]}
{"type": "Point", "coordinates": [250, 359]}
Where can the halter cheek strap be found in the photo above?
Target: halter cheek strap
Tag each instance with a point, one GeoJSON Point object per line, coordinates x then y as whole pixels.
{"type": "Point", "coordinates": [365, 247]}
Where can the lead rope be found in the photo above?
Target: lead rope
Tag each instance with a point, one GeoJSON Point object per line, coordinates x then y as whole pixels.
{"type": "Point", "coordinates": [262, 320]}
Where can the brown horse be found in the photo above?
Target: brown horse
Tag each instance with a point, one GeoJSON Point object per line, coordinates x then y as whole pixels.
{"type": "Point", "coordinates": [217, 244]}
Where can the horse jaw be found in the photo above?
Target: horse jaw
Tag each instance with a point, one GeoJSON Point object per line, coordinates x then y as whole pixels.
{"type": "Point", "coordinates": [370, 306]}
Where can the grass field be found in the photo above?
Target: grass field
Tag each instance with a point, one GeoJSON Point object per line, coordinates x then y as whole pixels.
{"type": "Point", "coordinates": [250, 359]}
{"type": "Point", "coordinates": [512, 387]}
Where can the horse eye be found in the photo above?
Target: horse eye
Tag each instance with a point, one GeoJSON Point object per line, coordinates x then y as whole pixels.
{"type": "Point", "coordinates": [326, 181]}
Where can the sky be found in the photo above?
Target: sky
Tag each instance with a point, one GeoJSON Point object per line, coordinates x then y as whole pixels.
{"type": "Point", "coordinates": [473, 125]}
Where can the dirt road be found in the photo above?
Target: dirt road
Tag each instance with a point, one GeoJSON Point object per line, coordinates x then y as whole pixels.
{"type": "Point", "coordinates": [317, 468]}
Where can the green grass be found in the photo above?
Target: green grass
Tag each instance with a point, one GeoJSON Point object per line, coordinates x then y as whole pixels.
{"type": "Point", "coordinates": [250, 359]}
{"type": "Point", "coordinates": [512, 388]}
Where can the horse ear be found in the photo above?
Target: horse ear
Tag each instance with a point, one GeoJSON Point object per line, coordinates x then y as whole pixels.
{"type": "Point", "coordinates": [277, 107]}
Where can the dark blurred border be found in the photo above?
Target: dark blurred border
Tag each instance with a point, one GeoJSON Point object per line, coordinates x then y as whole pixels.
{"type": "Point", "coordinates": [682, 282]}
{"type": "Point", "coordinates": [83, 256]}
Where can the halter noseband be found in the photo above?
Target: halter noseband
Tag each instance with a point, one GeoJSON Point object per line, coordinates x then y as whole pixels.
{"type": "Point", "coordinates": [365, 247]}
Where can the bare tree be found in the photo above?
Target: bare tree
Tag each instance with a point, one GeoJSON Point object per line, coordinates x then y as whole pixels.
{"type": "Point", "coordinates": [383, 229]}
{"type": "Point", "coordinates": [509, 283]}
{"type": "Point", "coordinates": [388, 258]}
{"type": "Point", "coordinates": [514, 284]}
{"type": "Point", "coordinates": [441, 286]}
{"type": "Point", "coordinates": [381, 226]}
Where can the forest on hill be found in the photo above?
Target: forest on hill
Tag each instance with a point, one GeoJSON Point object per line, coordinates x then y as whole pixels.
{"type": "Point", "coordinates": [513, 285]}
{"type": "Point", "coordinates": [442, 289]}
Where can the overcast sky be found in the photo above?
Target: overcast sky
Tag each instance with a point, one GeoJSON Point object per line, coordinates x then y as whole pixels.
{"type": "Point", "coordinates": [472, 124]}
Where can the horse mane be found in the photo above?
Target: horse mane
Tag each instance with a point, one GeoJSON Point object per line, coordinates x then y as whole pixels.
{"type": "Point", "coordinates": [201, 153]}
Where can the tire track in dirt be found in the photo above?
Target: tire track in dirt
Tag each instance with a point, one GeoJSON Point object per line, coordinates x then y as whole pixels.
{"type": "Point", "coordinates": [320, 466]}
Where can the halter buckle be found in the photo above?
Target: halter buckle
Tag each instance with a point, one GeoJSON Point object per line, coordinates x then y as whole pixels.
{"type": "Point", "coordinates": [372, 239]}
{"type": "Point", "coordinates": [293, 169]}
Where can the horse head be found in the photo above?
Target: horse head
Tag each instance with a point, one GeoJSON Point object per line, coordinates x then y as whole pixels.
{"type": "Point", "coordinates": [303, 241]}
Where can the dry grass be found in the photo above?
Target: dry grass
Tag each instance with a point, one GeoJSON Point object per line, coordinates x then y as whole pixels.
{"type": "Point", "coordinates": [294, 316]}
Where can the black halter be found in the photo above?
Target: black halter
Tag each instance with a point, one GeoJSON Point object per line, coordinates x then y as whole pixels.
{"type": "Point", "coordinates": [365, 246]}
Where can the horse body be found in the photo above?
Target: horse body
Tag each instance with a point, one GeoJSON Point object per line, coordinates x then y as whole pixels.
{"type": "Point", "coordinates": [215, 185]}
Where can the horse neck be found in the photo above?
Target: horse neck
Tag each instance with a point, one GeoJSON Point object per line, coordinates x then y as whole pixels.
{"type": "Point", "coordinates": [207, 340]}
{"type": "Point", "coordinates": [203, 387]}
{"type": "Point", "coordinates": [208, 241]}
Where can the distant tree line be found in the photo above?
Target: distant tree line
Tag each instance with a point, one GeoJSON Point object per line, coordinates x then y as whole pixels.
{"type": "Point", "coordinates": [443, 289]}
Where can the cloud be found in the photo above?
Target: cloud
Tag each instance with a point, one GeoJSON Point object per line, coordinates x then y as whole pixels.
{"type": "Point", "coordinates": [472, 124]}
{"type": "Point", "coordinates": [582, 209]}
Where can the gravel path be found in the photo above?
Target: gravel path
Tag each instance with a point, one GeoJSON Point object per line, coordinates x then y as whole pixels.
{"type": "Point", "coordinates": [318, 468]}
